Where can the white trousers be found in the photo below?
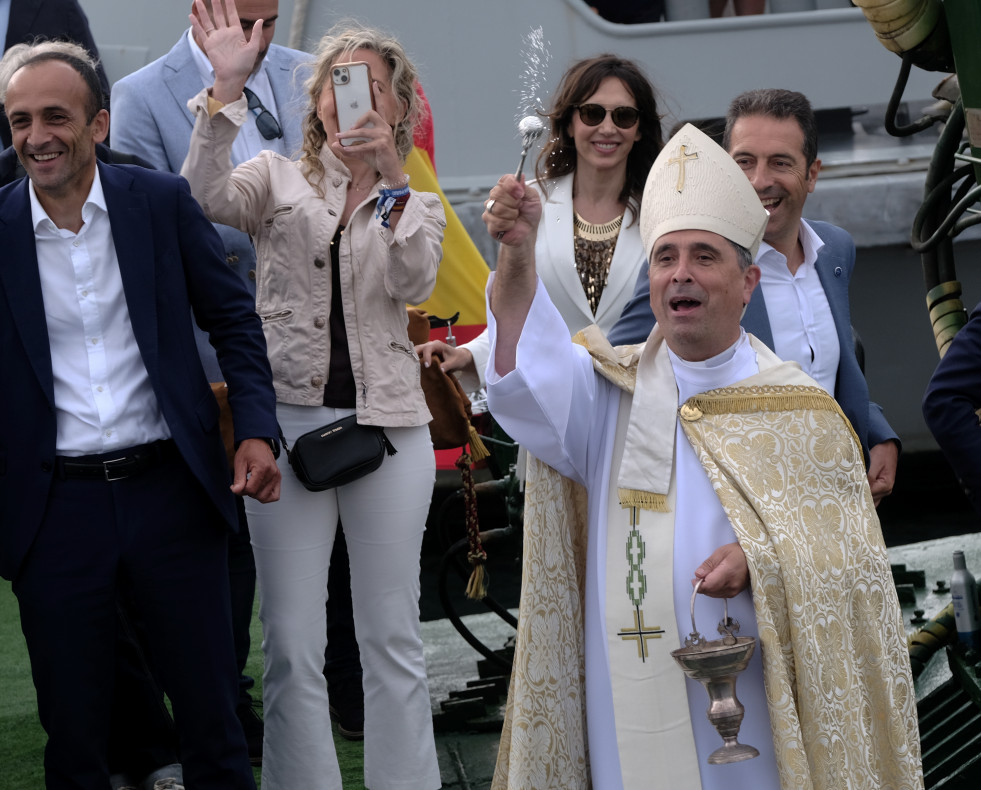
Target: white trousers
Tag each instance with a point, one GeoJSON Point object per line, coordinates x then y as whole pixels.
{"type": "Point", "coordinates": [384, 517]}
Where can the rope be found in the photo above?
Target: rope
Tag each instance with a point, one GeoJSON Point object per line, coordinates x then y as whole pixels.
{"type": "Point", "coordinates": [476, 556]}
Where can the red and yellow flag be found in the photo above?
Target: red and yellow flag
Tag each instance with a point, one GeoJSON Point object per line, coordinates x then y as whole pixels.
{"type": "Point", "coordinates": [463, 273]}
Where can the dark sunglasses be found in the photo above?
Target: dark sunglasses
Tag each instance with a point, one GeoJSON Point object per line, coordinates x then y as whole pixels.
{"type": "Point", "coordinates": [594, 114]}
{"type": "Point", "coordinates": [265, 122]}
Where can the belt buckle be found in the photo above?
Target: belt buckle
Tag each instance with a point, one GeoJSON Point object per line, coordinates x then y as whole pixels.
{"type": "Point", "coordinates": [119, 473]}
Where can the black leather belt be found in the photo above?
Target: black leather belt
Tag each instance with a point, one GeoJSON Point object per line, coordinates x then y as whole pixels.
{"type": "Point", "coordinates": [116, 465]}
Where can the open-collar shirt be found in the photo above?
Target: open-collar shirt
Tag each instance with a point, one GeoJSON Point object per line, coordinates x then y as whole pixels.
{"type": "Point", "coordinates": [103, 397]}
{"type": "Point", "coordinates": [800, 317]}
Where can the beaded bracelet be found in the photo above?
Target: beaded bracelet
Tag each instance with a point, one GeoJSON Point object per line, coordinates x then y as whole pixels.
{"type": "Point", "coordinates": [388, 188]}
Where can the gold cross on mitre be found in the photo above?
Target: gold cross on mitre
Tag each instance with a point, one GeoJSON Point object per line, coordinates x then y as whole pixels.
{"type": "Point", "coordinates": [680, 160]}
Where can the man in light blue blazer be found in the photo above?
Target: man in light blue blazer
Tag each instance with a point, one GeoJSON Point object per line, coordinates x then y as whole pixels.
{"type": "Point", "coordinates": [801, 308]}
{"type": "Point", "coordinates": [150, 118]}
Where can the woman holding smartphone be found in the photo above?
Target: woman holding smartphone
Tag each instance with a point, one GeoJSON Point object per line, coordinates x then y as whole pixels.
{"type": "Point", "coordinates": [342, 244]}
{"type": "Point", "coordinates": [605, 134]}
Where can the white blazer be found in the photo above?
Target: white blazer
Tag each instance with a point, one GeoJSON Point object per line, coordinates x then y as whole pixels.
{"type": "Point", "coordinates": [555, 261]}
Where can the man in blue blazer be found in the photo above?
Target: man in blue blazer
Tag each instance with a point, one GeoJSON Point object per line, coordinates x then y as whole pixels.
{"type": "Point", "coordinates": [951, 403]}
{"type": "Point", "coordinates": [112, 470]}
{"type": "Point", "coordinates": [801, 308]}
{"type": "Point", "coordinates": [150, 119]}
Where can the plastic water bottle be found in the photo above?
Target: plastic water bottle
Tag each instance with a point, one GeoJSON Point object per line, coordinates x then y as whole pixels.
{"type": "Point", "coordinates": [964, 592]}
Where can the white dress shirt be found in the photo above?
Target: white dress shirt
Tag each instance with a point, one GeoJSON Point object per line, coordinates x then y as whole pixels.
{"type": "Point", "coordinates": [249, 142]}
{"type": "Point", "coordinates": [103, 397]}
{"type": "Point", "coordinates": [800, 317]}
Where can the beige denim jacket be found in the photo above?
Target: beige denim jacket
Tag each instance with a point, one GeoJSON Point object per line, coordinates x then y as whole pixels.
{"type": "Point", "coordinates": [292, 227]}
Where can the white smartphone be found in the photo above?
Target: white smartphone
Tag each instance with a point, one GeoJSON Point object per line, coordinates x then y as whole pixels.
{"type": "Point", "coordinates": [353, 97]}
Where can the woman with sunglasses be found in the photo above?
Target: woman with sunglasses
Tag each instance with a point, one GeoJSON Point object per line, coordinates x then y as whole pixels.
{"type": "Point", "coordinates": [342, 244]}
{"type": "Point", "coordinates": [605, 135]}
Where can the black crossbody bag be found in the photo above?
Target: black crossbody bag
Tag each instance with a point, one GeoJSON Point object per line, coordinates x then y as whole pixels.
{"type": "Point", "coordinates": [338, 453]}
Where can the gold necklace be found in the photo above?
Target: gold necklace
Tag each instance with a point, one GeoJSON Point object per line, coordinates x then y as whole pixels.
{"type": "Point", "coordinates": [594, 246]}
{"type": "Point", "coordinates": [593, 232]}
{"type": "Point", "coordinates": [351, 185]}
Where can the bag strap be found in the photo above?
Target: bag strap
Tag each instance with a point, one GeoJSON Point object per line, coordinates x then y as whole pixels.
{"type": "Point", "coordinates": [282, 442]}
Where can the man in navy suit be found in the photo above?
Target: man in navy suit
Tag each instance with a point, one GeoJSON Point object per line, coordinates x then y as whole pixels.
{"type": "Point", "coordinates": [801, 308]}
{"type": "Point", "coordinates": [951, 403]}
{"type": "Point", "coordinates": [112, 468]}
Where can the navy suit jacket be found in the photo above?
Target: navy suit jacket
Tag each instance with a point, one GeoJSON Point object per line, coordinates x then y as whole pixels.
{"type": "Point", "coordinates": [950, 403]}
{"type": "Point", "coordinates": [834, 266]}
{"type": "Point", "coordinates": [150, 119]}
{"type": "Point", "coordinates": [171, 263]}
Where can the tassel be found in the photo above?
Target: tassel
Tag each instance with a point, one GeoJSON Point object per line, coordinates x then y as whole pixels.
{"type": "Point", "coordinates": [478, 450]}
{"type": "Point", "coordinates": [389, 447]}
{"type": "Point", "coordinates": [477, 586]}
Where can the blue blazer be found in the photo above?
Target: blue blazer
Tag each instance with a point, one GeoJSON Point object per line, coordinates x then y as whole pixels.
{"type": "Point", "coordinates": [150, 119]}
{"type": "Point", "coordinates": [950, 403]}
{"type": "Point", "coordinates": [834, 265]}
{"type": "Point", "coordinates": [171, 264]}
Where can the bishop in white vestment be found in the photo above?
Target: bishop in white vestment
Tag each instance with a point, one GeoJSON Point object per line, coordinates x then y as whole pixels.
{"type": "Point", "coordinates": [702, 454]}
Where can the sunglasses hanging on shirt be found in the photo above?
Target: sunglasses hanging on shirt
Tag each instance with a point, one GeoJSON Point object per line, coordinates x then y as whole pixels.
{"type": "Point", "coordinates": [265, 121]}
{"type": "Point", "coordinates": [594, 114]}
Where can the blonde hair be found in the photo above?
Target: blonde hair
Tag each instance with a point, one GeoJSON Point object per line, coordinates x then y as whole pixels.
{"type": "Point", "coordinates": [346, 37]}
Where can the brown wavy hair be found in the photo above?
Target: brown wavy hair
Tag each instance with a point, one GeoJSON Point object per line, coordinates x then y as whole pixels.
{"type": "Point", "coordinates": [582, 80]}
{"type": "Point", "coordinates": [346, 37]}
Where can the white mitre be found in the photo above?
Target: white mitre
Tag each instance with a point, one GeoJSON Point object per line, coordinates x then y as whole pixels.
{"type": "Point", "coordinates": [695, 185]}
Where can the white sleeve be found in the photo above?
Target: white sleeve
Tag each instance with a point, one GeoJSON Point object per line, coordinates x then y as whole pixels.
{"type": "Point", "coordinates": [479, 348]}
{"type": "Point", "coordinates": [547, 403]}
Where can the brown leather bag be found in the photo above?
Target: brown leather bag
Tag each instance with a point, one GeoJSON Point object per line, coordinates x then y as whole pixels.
{"type": "Point", "coordinates": [445, 398]}
{"type": "Point", "coordinates": [451, 428]}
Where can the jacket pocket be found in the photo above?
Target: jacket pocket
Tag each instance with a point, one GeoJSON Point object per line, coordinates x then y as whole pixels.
{"type": "Point", "coordinates": [278, 315]}
{"type": "Point", "coordinates": [395, 345]}
{"type": "Point", "coordinates": [278, 211]}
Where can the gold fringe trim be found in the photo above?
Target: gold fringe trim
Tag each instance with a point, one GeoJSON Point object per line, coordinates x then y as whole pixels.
{"type": "Point", "coordinates": [747, 400]}
{"type": "Point", "coordinates": [477, 585]}
{"type": "Point", "coordinates": [645, 500]}
{"type": "Point", "coordinates": [478, 450]}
